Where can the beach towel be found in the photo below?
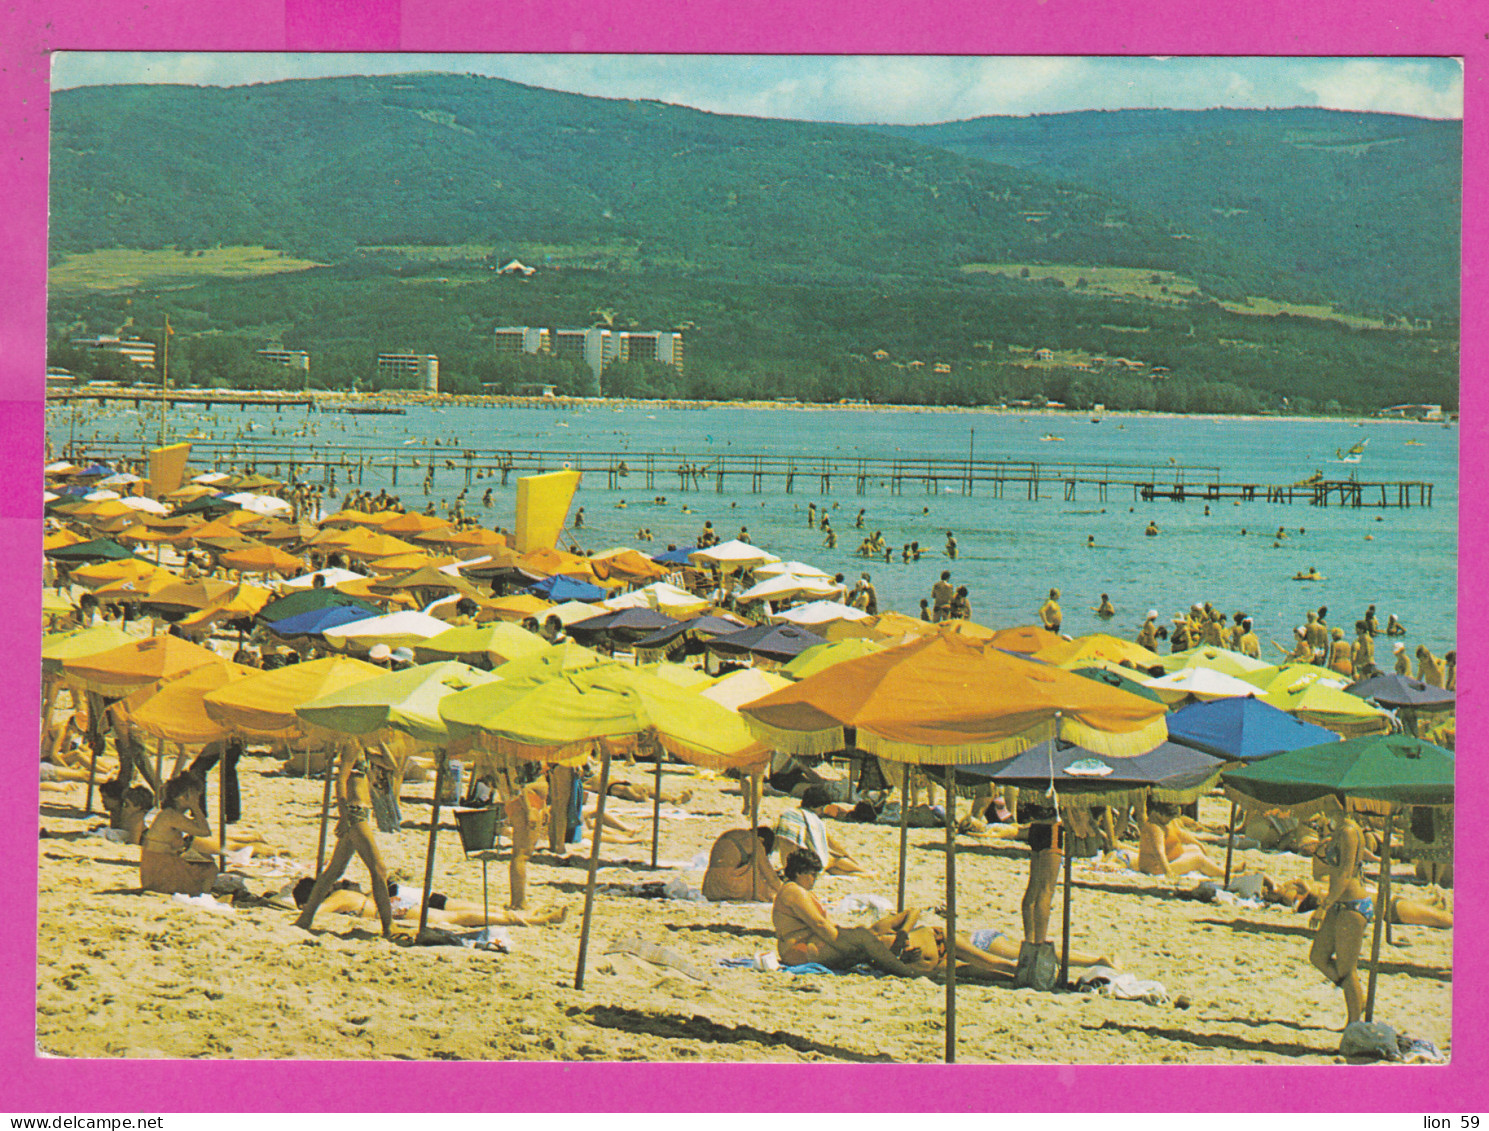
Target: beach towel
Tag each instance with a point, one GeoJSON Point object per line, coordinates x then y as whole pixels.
{"type": "Point", "coordinates": [205, 902]}
{"type": "Point", "coordinates": [1123, 986]}
{"type": "Point", "coordinates": [805, 830]}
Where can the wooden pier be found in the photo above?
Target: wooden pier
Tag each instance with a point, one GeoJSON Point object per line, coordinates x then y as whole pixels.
{"type": "Point", "coordinates": [442, 466]}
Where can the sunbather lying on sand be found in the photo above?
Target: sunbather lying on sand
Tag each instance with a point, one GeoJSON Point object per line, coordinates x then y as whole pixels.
{"type": "Point", "coordinates": [1429, 909]}
{"type": "Point", "coordinates": [804, 933]}
{"type": "Point", "coordinates": [347, 898]}
{"type": "Point", "coordinates": [985, 950]}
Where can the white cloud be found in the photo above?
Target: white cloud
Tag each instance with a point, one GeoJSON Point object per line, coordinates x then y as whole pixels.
{"type": "Point", "coordinates": [1388, 86]}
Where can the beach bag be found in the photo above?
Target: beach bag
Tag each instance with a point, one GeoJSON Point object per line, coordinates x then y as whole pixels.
{"type": "Point", "coordinates": [1038, 967]}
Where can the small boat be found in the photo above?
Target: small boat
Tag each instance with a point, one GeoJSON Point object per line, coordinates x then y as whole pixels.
{"type": "Point", "coordinates": [1353, 455]}
{"type": "Point", "coordinates": [1050, 437]}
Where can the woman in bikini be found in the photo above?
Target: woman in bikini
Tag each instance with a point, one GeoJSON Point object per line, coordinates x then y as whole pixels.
{"type": "Point", "coordinates": [984, 951]}
{"type": "Point", "coordinates": [1347, 911]}
{"type": "Point", "coordinates": [354, 835]}
{"type": "Point", "coordinates": [348, 899]}
{"type": "Point", "coordinates": [804, 933]}
{"type": "Point", "coordinates": [174, 849]}
{"type": "Point", "coordinates": [1307, 895]}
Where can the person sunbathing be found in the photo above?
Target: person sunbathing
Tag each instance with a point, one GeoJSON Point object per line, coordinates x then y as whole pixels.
{"type": "Point", "coordinates": [174, 850]}
{"type": "Point", "coordinates": [1166, 848]}
{"type": "Point", "coordinates": [739, 867]}
{"type": "Point", "coordinates": [984, 950]}
{"type": "Point", "coordinates": [804, 828]}
{"type": "Point", "coordinates": [1305, 896]}
{"type": "Point", "coordinates": [347, 898]}
{"type": "Point", "coordinates": [804, 933]}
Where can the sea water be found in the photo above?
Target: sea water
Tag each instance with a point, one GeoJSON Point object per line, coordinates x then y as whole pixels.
{"type": "Point", "coordinates": [1012, 550]}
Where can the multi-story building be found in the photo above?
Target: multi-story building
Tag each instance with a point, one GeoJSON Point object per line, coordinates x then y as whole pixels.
{"type": "Point", "coordinates": [290, 359]}
{"type": "Point", "coordinates": [521, 339]}
{"type": "Point", "coordinates": [420, 370]}
{"type": "Point", "coordinates": [596, 346]}
{"type": "Point", "coordinates": [652, 345]}
{"type": "Point", "coordinates": [139, 351]}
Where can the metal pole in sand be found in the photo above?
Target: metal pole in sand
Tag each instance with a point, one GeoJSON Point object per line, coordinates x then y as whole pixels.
{"type": "Point", "coordinates": [441, 757]}
{"type": "Point", "coordinates": [594, 864]}
{"type": "Point", "coordinates": [222, 812]}
{"type": "Point", "coordinates": [950, 916]}
{"type": "Point", "coordinates": [1382, 913]}
{"type": "Point", "coordinates": [757, 783]}
{"type": "Point", "coordinates": [1065, 920]}
{"type": "Point", "coordinates": [320, 850]}
{"type": "Point", "coordinates": [904, 833]}
{"type": "Point", "coordinates": [656, 807]}
{"type": "Point", "coordinates": [1230, 841]}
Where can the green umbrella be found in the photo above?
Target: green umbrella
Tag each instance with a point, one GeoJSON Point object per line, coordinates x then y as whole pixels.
{"type": "Point", "coordinates": [408, 700]}
{"type": "Point", "coordinates": [820, 656]}
{"type": "Point", "coordinates": [1383, 772]}
{"type": "Point", "coordinates": [312, 600]}
{"type": "Point", "coordinates": [1112, 679]}
{"type": "Point", "coordinates": [98, 550]}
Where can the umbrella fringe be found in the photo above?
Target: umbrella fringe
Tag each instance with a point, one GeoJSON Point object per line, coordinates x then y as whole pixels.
{"type": "Point", "coordinates": [802, 743]}
{"type": "Point", "coordinates": [1114, 744]}
{"type": "Point", "coordinates": [751, 758]}
{"type": "Point", "coordinates": [963, 754]}
{"type": "Point", "coordinates": [1327, 804]}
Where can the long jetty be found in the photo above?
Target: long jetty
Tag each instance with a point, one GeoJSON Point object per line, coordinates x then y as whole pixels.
{"type": "Point", "coordinates": [434, 465]}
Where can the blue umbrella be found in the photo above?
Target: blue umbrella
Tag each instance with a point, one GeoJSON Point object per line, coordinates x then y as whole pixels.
{"type": "Point", "coordinates": [1242, 729]}
{"type": "Point", "coordinates": [96, 471]}
{"type": "Point", "coordinates": [317, 621]}
{"type": "Point", "coordinates": [558, 589]}
{"type": "Point", "coordinates": [676, 557]}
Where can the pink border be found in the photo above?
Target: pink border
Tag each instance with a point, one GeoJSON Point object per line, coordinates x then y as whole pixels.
{"type": "Point", "coordinates": [1353, 27]}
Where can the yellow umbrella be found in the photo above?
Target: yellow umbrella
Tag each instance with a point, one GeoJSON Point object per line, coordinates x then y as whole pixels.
{"type": "Point", "coordinates": [407, 562]}
{"type": "Point", "coordinates": [263, 704]}
{"type": "Point", "coordinates": [362, 587]}
{"type": "Point", "coordinates": [1237, 664]}
{"type": "Point", "coordinates": [416, 525]}
{"type": "Point", "coordinates": [240, 601]}
{"type": "Point", "coordinates": [1315, 701]}
{"type": "Point", "coordinates": [358, 518]}
{"type": "Point", "coordinates": [124, 569]}
{"type": "Point", "coordinates": [262, 559]}
{"type": "Point", "coordinates": [120, 671]}
{"type": "Point", "coordinates": [1096, 650]}
{"type": "Point", "coordinates": [137, 589]}
{"type": "Point", "coordinates": [61, 538]}
{"type": "Point", "coordinates": [627, 565]}
{"type": "Point", "coordinates": [517, 607]}
{"type": "Point", "coordinates": [885, 626]}
{"type": "Point", "coordinates": [174, 710]}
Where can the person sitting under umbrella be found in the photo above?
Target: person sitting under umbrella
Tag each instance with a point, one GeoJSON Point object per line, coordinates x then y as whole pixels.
{"type": "Point", "coordinates": [730, 866]}
{"type": "Point", "coordinates": [805, 934]}
{"type": "Point", "coordinates": [1167, 849]}
{"type": "Point", "coordinates": [804, 828]}
{"type": "Point", "coordinates": [172, 856]}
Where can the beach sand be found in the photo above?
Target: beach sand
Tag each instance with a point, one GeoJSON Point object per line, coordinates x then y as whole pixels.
{"type": "Point", "coordinates": [125, 974]}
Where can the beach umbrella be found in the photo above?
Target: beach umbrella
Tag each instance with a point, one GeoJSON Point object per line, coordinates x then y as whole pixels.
{"type": "Point", "coordinates": [1286, 675]}
{"type": "Point", "coordinates": [142, 503]}
{"type": "Point", "coordinates": [397, 630]}
{"type": "Point", "coordinates": [362, 543]}
{"type": "Point", "coordinates": [121, 569]}
{"type": "Point", "coordinates": [212, 478]}
{"type": "Point", "coordinates": [553, 660]}
{"type": "Point", "coordinates": [556, 563]}
{"type": "Point", "coordinates": [74, 643]}
{"type": "Point", "coordinates": [94, 471]}
{"type": "Point", "coordinates": [330, 576]}
{"type": "Point", "coordinates": [1392, 690]}
{"type": "Point", "coordinates": [174, 711]}
{"type": "Point", "coordinates": [314, 622]}
{"type": "Point", "coordinates": [241, 602]}
{"type": "Point", "coordinates": [1026, 639]}
{"type": "Point", "coordinates": [516, 607]}
{"type": "Point", "coordinates": [944, 700]}
{"type": "Point", "coordinates": [1095, 650]}
{"type": "Point", "coordinates": [493, 644]}
{"type": "Point", "coordinates": [140, 590]}
{"type": "Point", "coordinates": [206, 504]}
{"type": "Point", "coordinates": [1237, 664]}
{"type": "Point", "coordinates": [396, 564]}
{"type": "Point", "coordinates": [120, 479]}
{"type": "Point", "coordinates": [744, 686]}
{"type": "Point", "coordinates": [1113, 678]}
{"type": "Point", "coordinates": [266, 505]}
{"type": "Point", "coordinates": [822, 656]}
{"type": "Point", "coordinates": [661, 596]}
{"type": "Point", "coordinates": [1200, 683]}
{"type": "Point", "coordinates": [61, 469]}
{"type": "Point", "coordinates": [786, 586]}
{"type": "Point", "coordinates": [278, 531]}
{"type": "Point", "coordinates": [308, 600]}
{"type": "Point", "coordinates": [96, 501]}
{"type": "Point", "coordinates": [500, 560]}
{"type": "Point", "coordinates": [682, 556]}
{"type": "Point", "coordinates": [363, 591]}
{"type": "Point", "coordinates": [352, 517]}
{"type": "Point", "coordinates": [189, 492]}
{"type": "Point", "coordinates": [626, 565]}
{"type": "Point", "coordinates": [678, 637]}
{"type": "Point", "coordinates": [1378, 773]}
{"type": "Point", "coordinates": [54, 604]}
{"type": "Point", "coordinates": [426, 583]}
{"type": "Point", "coordinates": [885, 627]}
{"type": "Point", "coordinates": [476, 538]}
{"type": "Point", "coordinates": [1326, 704]}
{"type": "Point", "coordinates": [775, 642]}
{"type": "Point", "coordinates": [97, 550]}
{"type": "Point", "coordinates": [1169, 772]}
{"type": "Point", "coordinates": [60, 538]}
{"type": "Point", "coordinates": [261, 559]}
{"type": "Point", "coordinates": [1242, 730]}
{"type": "Point", "coordinates": [189, 595]}
{"type": "Point", "coordinates": [263, 705]}
{"type": "Point", "coordinates": [796, 569]}
{"type": "Point", "coordinates": [416, 524]}
{"type": "Point", "coordinates": [406, 700]}
{"type": "Point", "coordinates": [732, 556]}
{"type": "Point", "coordinates": [817, 614]}
{"type": "Point", "coordinates": [563, 589]}
{"type": "Point", "coordinates": [250, 481]}
{"type": "Point", "coordinates": [119, 671]}
{"type": "Point", "coordinates": [624, 626]}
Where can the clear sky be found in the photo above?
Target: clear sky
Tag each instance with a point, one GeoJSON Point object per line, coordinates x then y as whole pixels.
{"type": "Point", "coordinates": [884, 89]}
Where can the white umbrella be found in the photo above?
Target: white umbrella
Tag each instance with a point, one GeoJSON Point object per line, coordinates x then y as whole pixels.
{"type": "Point", "coordinates": [49, 496]}
{"type": "Point", "coordinates": [140, 503]}
{"type": "Point", "coordinates": [266, 505]}
{"type": "Point", "coordinates": [120, 479]}
{"type": "Point", "coordinates": [334, 576]}
{"type": "Point", "coordinates": [732, 556]}
{"type": "Point", "coordinates": [800, 569]}
{"type": "Point", "coordinates": [61, 467]}
{"type": "Point", "coordinates": [396, 630]}
{"type": "Point", "coordinates": [209, 478]}
{"type": "Point", "coordinates": [790, 585]}
{"type": "Point", "coordinates": [1202, 683]}
{"type": "Point", "coordinates": [568, 613]}
{"type": "Point", "coordinates": [660, 595]}
{"type": "Point", "coordinates": [821, 612]}
{"type": "Point", "coordinates": [100, 496]}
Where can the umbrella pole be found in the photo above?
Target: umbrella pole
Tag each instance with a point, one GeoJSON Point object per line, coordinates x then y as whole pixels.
{"type": "Point", "coordinates": [1065, 923]}
{"type": "Point", "coordinates": [320, 851]}
{"type": "Point", "coordinates": [1230, 841]}
{"type": "Point", "coordinates": [222, 813]}
{"type": "Point", "coordinates": [160, 760]}
{"type": "Point", "coordinates": [755, 785]}
{"type": "Point", "coordinates": [439, 788]}
{"type": "Point", "coordinates": [95, 746]}
{"type": "Point", "coordinates": [904, 834]}
{"type": "Point", "coordinates": [950, 918]}
{"type": "Point", "coordinates": [594, 864]}
{"type": "Point", "coordinates": [1382, 913]}
{"type": "Point", "coordinates": [656, 809]}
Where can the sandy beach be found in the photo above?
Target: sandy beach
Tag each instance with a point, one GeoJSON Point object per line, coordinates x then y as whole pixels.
{"type": "Point", "coordinates": [129, 974]}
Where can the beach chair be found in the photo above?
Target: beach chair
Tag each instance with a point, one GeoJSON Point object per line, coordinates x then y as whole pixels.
{"type": "Point", "coordinates": [478, 837]}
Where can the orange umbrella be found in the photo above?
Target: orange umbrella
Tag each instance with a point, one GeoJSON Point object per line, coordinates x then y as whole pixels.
{"type": "Point", "coordinates": [557, 563]}
{"type": "Point", "coordinates": [240, 601]}
{"type": "Point", "coordinates": [105, 573]}
{"type": "Point", "coordinates": [478, 538]}
{"type": "Point", "coordinates": [119, 671]}
{"type": "Point", "coordinates": [1098, 649]}
{"type": "Point", "coordinates": [264, 704]}
{"type": "Point", "coordinates": [945, 700]}
{"type": "Point", "coordinates": [59, 539]}
{"type": "Point", "coordinates": [358, 518]}
{"type": "Point", "coordinates": [362, 543]}
{"type": "Point", "coordinates": [136, 589]}
{"type": "Point", "coordinates": [362, 587]}
{"type": "Point", "coordinates": [627, 565]}
{"type": "Point", "coordinates": [173, 711]}
{"type": "Point", "coordinates": [404, 563]}
{"type": "Point", "coordinates": [262, 559]}
{"type": "Point", "coordinates": [422, 525]}
{"type": "Point", "coordinates": [517, 607]}
{"type": "Point", "coordinates": [963, 627]}
{"type": "Point", "coordinates": [191, 594]}
{"type": "Point", "coordinates": [1026, 639]}
{"type": "Point", "coordinates": [885, 626]}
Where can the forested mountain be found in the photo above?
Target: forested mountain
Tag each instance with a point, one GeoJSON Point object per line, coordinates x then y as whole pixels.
{"type": "Point", "coordinates": [1081, 257]}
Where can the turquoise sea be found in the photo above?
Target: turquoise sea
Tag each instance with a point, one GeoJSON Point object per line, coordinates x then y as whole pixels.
{"type": "Point", "coordinates": [1404, 561]}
